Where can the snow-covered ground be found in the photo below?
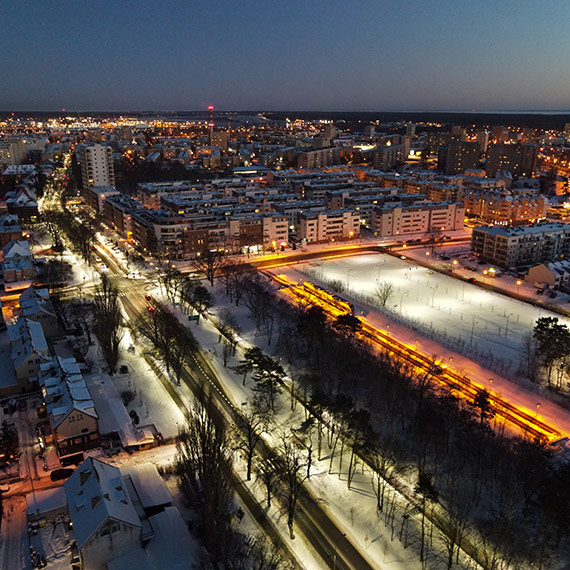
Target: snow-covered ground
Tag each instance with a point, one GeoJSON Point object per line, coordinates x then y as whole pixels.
{"type": "Point", "coordinates": [353, 510]}
{"type": "Point", "coordinates": [487, 326]}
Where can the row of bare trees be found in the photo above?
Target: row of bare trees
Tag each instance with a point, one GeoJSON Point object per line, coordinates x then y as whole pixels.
{"type": "Point", "coordinates": [203, 467]}
{"type": "Point", "coordinates": [108, 321]}
{"type": "Point", "coordinates": [80, 236]}
{"type": "Point", "coordinates": [476, 487]}
{"type": "Point", "coordinates": [168, 337]}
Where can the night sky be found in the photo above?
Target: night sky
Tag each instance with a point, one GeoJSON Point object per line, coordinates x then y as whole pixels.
{"type": "Point", "coordinates": [285, 55]}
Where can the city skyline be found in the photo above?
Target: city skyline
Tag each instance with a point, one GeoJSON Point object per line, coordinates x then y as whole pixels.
{"type": "Point", "coordinates": [322, 56]}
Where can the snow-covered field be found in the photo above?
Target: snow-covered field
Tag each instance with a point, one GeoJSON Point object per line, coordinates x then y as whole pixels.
{"type": "Point", "coordinates": [485, 325]}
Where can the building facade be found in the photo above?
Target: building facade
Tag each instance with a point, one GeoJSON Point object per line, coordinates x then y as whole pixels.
{"type": "Point", "coordinates": [96, 165]}
{"type": "Point", "coordinates": [522, 245]}
{"type": "Point", "coordinates": [391, 220]}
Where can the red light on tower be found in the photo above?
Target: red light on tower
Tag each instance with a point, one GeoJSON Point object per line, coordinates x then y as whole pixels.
{"type": "Point", "coordinates": [211, 123]}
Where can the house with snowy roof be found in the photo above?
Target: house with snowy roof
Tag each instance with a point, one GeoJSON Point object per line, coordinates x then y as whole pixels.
{"type": "Point", "coordinates": [105, 520]}
{"type": "Point", "coordinates": [125, 519]}
{"type": "Point", "coordinates": [29, 350]}
{"type": "Point", "coordinates": [9, 228]}
{"type": "Point", "coordinates": [72, 416]}
{"type": "Point", "coordinates": [35, 304]}
{"type": "Point", "coordinates": [17, 262]}
{"type": "Point", "coordinates": [22, 201]}
{"type": "Point", "coordinates": [555, 274]}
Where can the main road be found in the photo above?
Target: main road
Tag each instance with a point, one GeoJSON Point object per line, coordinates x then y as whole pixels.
{"type": "Point", "coordinates": [311, 520]}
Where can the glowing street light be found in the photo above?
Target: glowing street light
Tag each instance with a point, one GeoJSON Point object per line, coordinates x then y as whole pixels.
{"type": "Point", "coordinates": [519, 283]}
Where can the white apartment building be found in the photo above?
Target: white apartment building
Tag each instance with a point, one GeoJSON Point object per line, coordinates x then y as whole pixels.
{"type": "Point", "coordinates": [96, 165]}
{"type": "Point", "coordinates": [329, 225]}
{"type": "Point", "coordinates": [397, 219]}
{"type": "Point", "coordinates": [522, 245]}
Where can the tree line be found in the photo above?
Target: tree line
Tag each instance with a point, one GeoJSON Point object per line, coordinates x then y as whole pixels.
{"type": "Point", "coordinates": [502, 492]}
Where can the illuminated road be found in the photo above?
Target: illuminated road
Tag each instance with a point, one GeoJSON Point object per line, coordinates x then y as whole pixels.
{"type": "Point", "coordinates": [290, 258]}
{"type": "Point", "coordinates": [333, 546]}
{"type": "Point", "coordinates": [519, 417]}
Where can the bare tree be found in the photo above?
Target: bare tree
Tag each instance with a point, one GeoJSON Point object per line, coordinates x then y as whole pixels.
{"type": "Point", "coordinates": [383, 292]}
{"type": "Point", "coordinates": [293, 467]}
{"type": "Point", "coordinates": [249, 430]}
{"type": "Point", "coordinates": [203, 467]}
{"type": "Point", "coordinates": [455, 525]}
{"type": "Point", "coordinates": [209, 263]}
{"type": "Point", "coordinates": [107, 321]}
{"type": "Point", "coordinates": [428, 494]}
{"type": "Point", "coordinates": [269, 476]}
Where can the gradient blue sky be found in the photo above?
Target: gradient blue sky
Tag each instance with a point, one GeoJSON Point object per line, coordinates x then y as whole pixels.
{"type": "Point", "coordinates": [285, 55]}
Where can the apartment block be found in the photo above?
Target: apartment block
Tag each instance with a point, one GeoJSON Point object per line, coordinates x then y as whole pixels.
{"type": "Point", "coordinates": [506, 208]}
{"type": "Point", "coordinates": [522, 245]}
{"type": "Point", "coordinates": [393, 220]}
{"type": "Point", "coordinates": [96, 165]}
{"type": "Point", "coordinates": [329, 225]}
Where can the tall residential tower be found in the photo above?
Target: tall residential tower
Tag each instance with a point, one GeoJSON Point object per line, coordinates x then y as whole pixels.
{"type": "Point", "coordinates": [96, 165]}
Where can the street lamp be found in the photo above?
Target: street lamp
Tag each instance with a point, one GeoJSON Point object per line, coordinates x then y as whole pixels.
{"type": "Point", "coordinates": [507, 325]}
{"type": "Point", "coordinates": [519, 283]}
{"type": "Point", "coordinates": [401, 298]}
{"type": "Point", "coordinates": [472, 331]}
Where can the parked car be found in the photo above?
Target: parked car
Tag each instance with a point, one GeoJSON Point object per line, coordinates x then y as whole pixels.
{"type": "Point", "coordinates": [60, 474]}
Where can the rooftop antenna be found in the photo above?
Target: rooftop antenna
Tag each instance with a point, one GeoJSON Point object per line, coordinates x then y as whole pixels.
{"type": "Point", "coordinates": [211, 123]}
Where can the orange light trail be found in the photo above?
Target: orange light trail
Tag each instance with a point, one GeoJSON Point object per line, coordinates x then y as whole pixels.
{"type": "Point", "coordinates": [522, 418]}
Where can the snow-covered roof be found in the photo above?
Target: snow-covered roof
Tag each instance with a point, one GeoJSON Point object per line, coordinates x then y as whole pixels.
{"type": "Point", "coordinates": [44, 501]}
{"type": "Point", "coordinates": [561, 267]}
{"type": "Point", "coordinates": [95, 492]}
{"type": "Point", "coordinates": [19, 169]}
{"type": "Point", "coordinates": [9, 222]}
{"type": "Point", "coordinates": [65, 390]}
{"type": "Point", "coordinates": [27, 337]}
{"type": "Point", "coordinates": [23, 197]}
{"type": "Point", "coordinates": [113, 416]}
{"type": "Point", "coordinates": [34, 301]}
{"type": "Point", "coordinates": [149, 485]}
{"type": "Point", "coordinates": [172, 546]}
{"type": "Point", "coordinates": [524, 230]}
{"type": "Point", "coordinates": [16, 247]}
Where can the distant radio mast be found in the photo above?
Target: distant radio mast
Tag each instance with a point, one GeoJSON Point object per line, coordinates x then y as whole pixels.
{"type": "Point", "coordinates": [211, 123]}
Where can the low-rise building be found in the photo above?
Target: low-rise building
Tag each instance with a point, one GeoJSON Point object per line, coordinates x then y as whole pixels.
{"type": "Point", "coordinates": [329, 225]}
{"type": "Point", "coordinates": [9, 228]}
{"type": "Point", "coordinates": [17, 262]}
{"type": "Point", "coordinates": [105, 520]}
{"type": "Point", "coordinates": [22, 202]}
{"type": "Point", "coordinates": [71, 412]}
{"type": "Point", "coordinates": [36, 305]}
{"type": "Point", "coordinates": [126, 519]}
{"type": "Point", "coordinates": [396, 219]}
{"type": "Point", "coordinates": [95, 196]}
{"type": "Point", "coordinates": [29, 351]}
{"type": "Point", "coordinates": [555, 274]}
{"type": "Point", "coordinates": [522, 245]}
{"type": "Point", "coordinates": [118, 212]}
